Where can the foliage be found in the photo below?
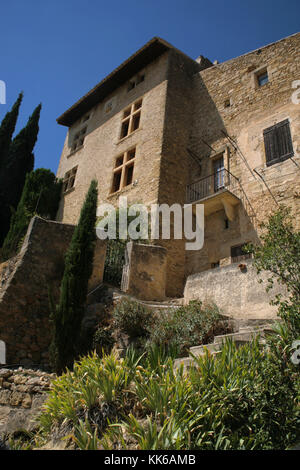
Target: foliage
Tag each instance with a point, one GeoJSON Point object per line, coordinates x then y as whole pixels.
{"type": "Point", "coordinates": [103, 339]}
{"type": "Point", "coordinates": [41, 195]}
{"type": "Point", "coordinates": [133, 318]}
{"type": "Point", "coordinates": [279, 254]}
{"type": "Point", "coordinates": [91, 393]}
{"type": "Point", "coordinates": [244, 398]}
{"type": "Point", "coordinates": [68, 314]}
{"type": "Point", "coordinates": [187, 326]}
{"type": "Point", "coordinates": [116, 247]}
{"type": "Point", "coordinates": [114, 262]}
{"type": "Point", "coordinates": [7, 129]}
{"type": "Point", "coordinates": [19, 162]}
{"type": "Point", "coordinates": [236, 400]}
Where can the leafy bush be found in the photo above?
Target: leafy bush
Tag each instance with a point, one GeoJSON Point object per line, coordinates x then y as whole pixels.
{"type": "Point", "coordinates": [187, 326]}
{"type": "Point", "coordinates": [103, 339]}
{"type": "Point", "coordinates": [279, 254]}
{"type": "Point", "coordinates": [133, 318]}
{"type": "Point", "coordinates": [237, 400]}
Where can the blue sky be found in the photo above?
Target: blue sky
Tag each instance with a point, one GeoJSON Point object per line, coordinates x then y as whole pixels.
{"type": "Point", "coordinates": [56, 50]}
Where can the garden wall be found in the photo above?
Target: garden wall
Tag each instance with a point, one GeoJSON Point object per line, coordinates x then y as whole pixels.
{"type": "Point", "coordinates": [25, 281]}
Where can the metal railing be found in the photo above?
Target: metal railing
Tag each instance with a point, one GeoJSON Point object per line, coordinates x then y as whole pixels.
{"type": "Point", "coordinates": [213, 184]}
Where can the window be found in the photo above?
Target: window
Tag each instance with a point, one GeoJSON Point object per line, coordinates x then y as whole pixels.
{"type": "Point", "coordinates": [262, 78]}
{"type": "Point", "coordinates": [136, 81]}
{"type": "Point", "coordinates": [278, 142]}
{"type": "Point", "coordinates": [123, 171]}
{"type": "Point", "coordinates": [227, 103]}
{"type": "Point", "coordinates": [219, 173]}
{"type": "Point", "coordinates": [78, 139]}
{"type": "Point", "coordinates": [69, 179]}
{"type": "Point", "coordinates": [238, 253]}
{"type": "Point", "coordinates": [131, 119]}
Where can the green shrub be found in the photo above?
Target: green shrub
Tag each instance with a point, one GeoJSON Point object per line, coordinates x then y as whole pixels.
{"type": "Point", "coordinates": [133, 318]}
{"type": "Point", "coordinates": [187, 326]}
{"type": "Point", "coordinates": [239, 399]}
{"type": "Point", "coordinates": [103, 339]}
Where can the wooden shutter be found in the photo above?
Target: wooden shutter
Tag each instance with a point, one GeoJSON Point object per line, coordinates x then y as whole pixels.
{"type": "Point", "coordinates": [270, 144]}
{"type": "Point", "coordinates": [278, 142]}
{"type": "Point", "coordinates": [284, 140]}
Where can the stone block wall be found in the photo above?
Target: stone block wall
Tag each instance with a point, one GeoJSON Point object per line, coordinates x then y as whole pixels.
{"type": "Point", "coordinates": [22, 394]}
{"type": "Point", "coordinates": [235, 291]}
{"type": "Point", "coordinates": [144, 275]}
{"type": "Point", "coordinates": [24, 290]}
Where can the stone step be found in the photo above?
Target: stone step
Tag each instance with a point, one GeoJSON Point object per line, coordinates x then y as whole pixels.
{"type": "Point", "coordinates": [162, 305]}
{"type": "Point", "coordinates": [241, 337]}
{"type": "Point", "coordinates": [200, 350]}
{"type": "Point", "coordinates": [190, 361]}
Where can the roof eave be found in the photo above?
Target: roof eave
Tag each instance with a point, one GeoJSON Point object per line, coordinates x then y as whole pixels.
{"type": "Point", "coordinates": [149, 52]}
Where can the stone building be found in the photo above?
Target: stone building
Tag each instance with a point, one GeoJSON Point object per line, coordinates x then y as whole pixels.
{"type": "Point", "coordinates": [164, 128]}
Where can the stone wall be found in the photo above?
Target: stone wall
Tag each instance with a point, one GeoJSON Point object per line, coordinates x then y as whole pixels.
{"type": "Point", "coordinates": [24, 292]}
{"type": "Point", "coordinates": [22, 394]}
{"type": "Point", "coordinates": [144, 275]}
{"type": "Point", "coordinates": [235, 291]}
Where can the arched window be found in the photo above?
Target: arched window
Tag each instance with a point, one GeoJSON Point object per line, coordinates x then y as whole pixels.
{"type": "Point", "coordinates": [2, 352]}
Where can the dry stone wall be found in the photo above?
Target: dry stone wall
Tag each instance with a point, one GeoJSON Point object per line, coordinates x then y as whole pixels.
{"type": "Point", "coordinates": [22, 394]}
{"type": "Point", "coordinates": [25, 282]}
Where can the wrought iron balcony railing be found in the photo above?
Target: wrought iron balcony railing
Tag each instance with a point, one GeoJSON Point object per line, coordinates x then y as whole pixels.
{"type": "Point", "coordinates": [214, 184]}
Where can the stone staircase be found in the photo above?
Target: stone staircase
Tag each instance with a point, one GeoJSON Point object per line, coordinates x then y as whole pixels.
{"type": "Point", "coordinates": [114, 295]}
{"type": "Point", "coordinates": [242, 336]}
{"type": "Point", "coordinates": [244, 330]}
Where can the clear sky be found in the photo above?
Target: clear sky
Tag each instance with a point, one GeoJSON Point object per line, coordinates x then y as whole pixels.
{"type": "Point", "coordinates": [56, 50]}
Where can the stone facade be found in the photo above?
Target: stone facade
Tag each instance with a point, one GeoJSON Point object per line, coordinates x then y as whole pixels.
{"type": "Point", "coordinates": [193, 113]}
{"type": "Point", "coordinates": [233, 115]}
{"type": "Point", "coordinates": [24, 290]}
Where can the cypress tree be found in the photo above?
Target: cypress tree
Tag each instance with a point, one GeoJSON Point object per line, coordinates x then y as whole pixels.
{"type": "Point", "coordinates": [40, 196]}
{"type": "Point", "coordinates": [20, 161]}
{"type": "Point", "coordinates": [68, 314]}
{"type": "Point", "coordinates": [7, 129]}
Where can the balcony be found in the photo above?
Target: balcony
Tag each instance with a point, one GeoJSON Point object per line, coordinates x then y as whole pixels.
{"type": "Point", "coordinates": [221, 190]}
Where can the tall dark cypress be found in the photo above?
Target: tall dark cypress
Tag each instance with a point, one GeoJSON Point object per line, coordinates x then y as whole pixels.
{"type": "Point", "coordinates": [40, 196]}
{"type": "Point", "coordinates": [20, 161]}
{"type": "Point", "coordinates": [7, 129]}
{"type": "Point", "coordinates": [68, 314]}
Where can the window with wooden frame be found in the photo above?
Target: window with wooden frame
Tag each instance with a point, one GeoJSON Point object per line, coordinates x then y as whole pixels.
{"type": "Point", "coordinates": [79, 139]}
{"type": "Point", "coordinates": [278, 142]}
{"type": "Point", "coordinates": [69, 179]}
{"type": "Point", "coordinates": [123, 171]}
{"type": "Point", "coordinates": [131, 119]}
